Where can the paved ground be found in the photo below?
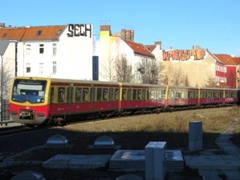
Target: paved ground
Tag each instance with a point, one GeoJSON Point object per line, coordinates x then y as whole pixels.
{"type": "Point", "coordinates": [219, 166]}
{"type": "Point", "coordinates": [210, 166]}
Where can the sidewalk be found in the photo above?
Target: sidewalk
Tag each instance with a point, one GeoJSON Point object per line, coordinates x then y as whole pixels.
{"type": "Point", "coordinates": [219, 166]}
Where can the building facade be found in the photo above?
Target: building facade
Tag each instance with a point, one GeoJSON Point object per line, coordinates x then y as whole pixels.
{"type": "Point", "coordinates": [52, 51]}
{"type": "Point", "coordinates": [73, 52]}
{"type": "Point", "coordinates": [111, 48]}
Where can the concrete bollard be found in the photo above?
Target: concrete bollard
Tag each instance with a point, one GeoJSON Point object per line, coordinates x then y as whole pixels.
{"type": "Point", "coordinates": [154, 160]}
{"type": "Point", "coordinates": [195, 136]}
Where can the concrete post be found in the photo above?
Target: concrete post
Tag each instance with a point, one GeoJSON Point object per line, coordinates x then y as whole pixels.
{"type": "Point", "coordinates": [154, 160]}
{"type": "Point", "coordinates": [195, 136]}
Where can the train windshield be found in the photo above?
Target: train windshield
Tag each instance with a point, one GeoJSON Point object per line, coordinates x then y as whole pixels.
{"type": "Point", "coordinates": [28, 90]}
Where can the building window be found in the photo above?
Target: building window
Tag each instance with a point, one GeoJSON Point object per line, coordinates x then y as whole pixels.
{"type": "Point", "coordinates": [225, 69]}
{"type": "Point", "coordinates": [28, 68]}
{"type": "Point", "coordinates": [238, 70]}
{"type": "Point", "coordinates": [39, 33]}
{"type": "Point", "coordinates": [54, 49]}
{"type": "Point", "coordinates": [28, 49]}
{"type": "Point", "coordinates": [54, 63]}
{"type": "Point", "coordinates": [41, 48]}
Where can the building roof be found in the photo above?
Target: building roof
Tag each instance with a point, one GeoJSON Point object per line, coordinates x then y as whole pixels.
{"type": "Point", "coordinates": [139, 49]}
{"type": "Point", "coordinates": [151, 47]}
{"type": "Point", "coordinates": [32, 33]}
{"type": "Point", "coordinates": [227, 59]}
{"type": "Point", "coordinates": [12, 33]}
{"type": "Point", "coordinates": [3, 46]}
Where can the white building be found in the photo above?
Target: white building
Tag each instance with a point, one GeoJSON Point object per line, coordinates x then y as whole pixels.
{"type": "Point", "coordinates": [52, 51]}
{"type": "Point", "coordinates": [110, 47]}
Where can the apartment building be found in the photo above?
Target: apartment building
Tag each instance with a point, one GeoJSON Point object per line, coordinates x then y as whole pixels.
{"type": "Point", "coordinates": [112, 47]}
{"type": "Point", "coordinates": [50, 51]}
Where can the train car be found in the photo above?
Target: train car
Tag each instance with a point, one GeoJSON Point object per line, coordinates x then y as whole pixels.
{"type": "Point", "coordinates": [141, 98]}
{"type": "Point", "coordinates": [37, 101]}
{"type": "Point", "coordinates": [40, 100]}
{"type": "Point", "coordinates": [217, 97]}
{"type": "Point", "coordinates": [180, 97]}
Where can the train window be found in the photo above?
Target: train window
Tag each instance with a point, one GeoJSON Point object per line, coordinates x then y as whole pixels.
{"type": "Point", "coordinates": [92, 97]}
{"type": "Point", "coordinates": [203, 94]}
{"type": "Point", "coordinates": [190, 94]}
{"type": "Point", "coordinates": [162, 94]}
{"type": "Point", "coordinates": [124, 94]}
{"type": "Point", "coordinates": [52, 95]}
{"type": "Point", "coordinates": [134, 94]}
{"type": "Point", "coordinates": [152, 94]}
{"type": "Point", "coordinates": [215, 94]}
{"type": "Point", "coordinates": [61, 94]}
{"type": "Point", "coordinates": [116, 94]}
{"type": "Point", "coordinates": [235, 94]}
{"type": "Point", "coordinates": [99, 94]}
{"type": "Point", "coordinates": [110, 94]}
{"type": "Point", "coordinates": [147, 95]}
{"type": "Point", "coordinates": [178, 94]}
{"type": "Point", "coordinates": [209, 94]}
{"type": "Point", "coordinates": [171, 94]}
{"type": "Point", "coordinates": [139, 94]}
{"type": "Point", "coordinates": [129, 94]}
{"type": "Point", "coordinates": [221, 94]}
{"type": "Point", "coordinates": [105, 94]}
{"type": "Point", "coordinates": [143, 94]}
{"type": "Point", "coordinates": [226, 94]}
{"type": "Point", "coordinates": [85, 95]}
{"type": "Point", "coordinates": [69, 94]}
{"type": "Point", "coordinates": [195, 94]}
{"type": "Point", "coordinates": [78, 92]}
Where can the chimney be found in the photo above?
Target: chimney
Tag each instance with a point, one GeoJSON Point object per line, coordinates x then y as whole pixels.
{"type": "Point", "coordinates": [105, 28]}
{"type": "Point", "coordinates": [159, 43]}
{"type": "Point", "coordinates": [2, 25]}
{"type": "Point", "coordinates": [127, 35]}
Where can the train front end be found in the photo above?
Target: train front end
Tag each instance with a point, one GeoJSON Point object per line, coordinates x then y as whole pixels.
{"type": "Point", "coordinates": [29, 100]}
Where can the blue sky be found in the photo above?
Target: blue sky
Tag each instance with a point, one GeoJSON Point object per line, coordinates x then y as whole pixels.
{"type": "Point", "coordinates": [211, 24]}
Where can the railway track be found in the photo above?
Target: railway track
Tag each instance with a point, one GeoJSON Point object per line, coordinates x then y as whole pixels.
{"type": "Point", "coordinates": [4, 131]}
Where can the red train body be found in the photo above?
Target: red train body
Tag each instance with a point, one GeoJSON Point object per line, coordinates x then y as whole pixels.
{"type": "Point", "coordinates": [35, 101]}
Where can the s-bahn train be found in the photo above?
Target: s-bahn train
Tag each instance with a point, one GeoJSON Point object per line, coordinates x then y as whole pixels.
{"type": "Point", "coordinates": [37, 101]}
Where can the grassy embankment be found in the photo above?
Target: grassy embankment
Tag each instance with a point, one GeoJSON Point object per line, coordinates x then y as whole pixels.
{"type": "Point", "coordinates": [136, 131]}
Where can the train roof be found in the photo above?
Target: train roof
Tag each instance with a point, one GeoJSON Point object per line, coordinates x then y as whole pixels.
{"type": "Point", "coordinates": [89, 81]}
{"type": "Point", "coordinates": [118, 83]}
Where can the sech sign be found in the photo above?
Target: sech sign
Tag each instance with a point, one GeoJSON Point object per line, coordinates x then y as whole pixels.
{"type": "Point", "coordinates": [76, 30]}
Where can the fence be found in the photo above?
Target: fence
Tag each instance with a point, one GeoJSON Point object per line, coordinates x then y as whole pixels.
{"type": "Point", "coordinates": [4, 110]}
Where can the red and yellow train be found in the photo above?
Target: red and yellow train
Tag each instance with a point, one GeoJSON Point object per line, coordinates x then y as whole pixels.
{"type": "Point", "coordinates": [36, 101]}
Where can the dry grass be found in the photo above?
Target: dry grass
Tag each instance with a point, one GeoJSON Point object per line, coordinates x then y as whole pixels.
{"type": "Point", "coordinates": [135, 131]}
{"type": "Point", "coordinates": [214, 121]}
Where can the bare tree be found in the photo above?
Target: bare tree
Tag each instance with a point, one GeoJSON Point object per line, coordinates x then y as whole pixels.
{"type": "Point", "coordinates": [186, 83]}
{"type": "Point", "coordinates": [123, 70]}
{"type": "Point", "coordinates": [172, 75]}
{"type": "Point", "coordinates": [108, 70]}
{"type": "Point", "coordinates": [211, 82]}
{"type": "Point", "coordinates": [149, 70]}
{"type": "Point", "coordinates": [6, 78]}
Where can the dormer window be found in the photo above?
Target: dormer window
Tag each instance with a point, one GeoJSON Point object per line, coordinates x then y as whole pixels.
{"type": "Point", "coordinates": [4, 35]}
{"type": "Point", "coordinates": [58, 32]}
{"type": "Point", "coordinates": [39, 33]}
